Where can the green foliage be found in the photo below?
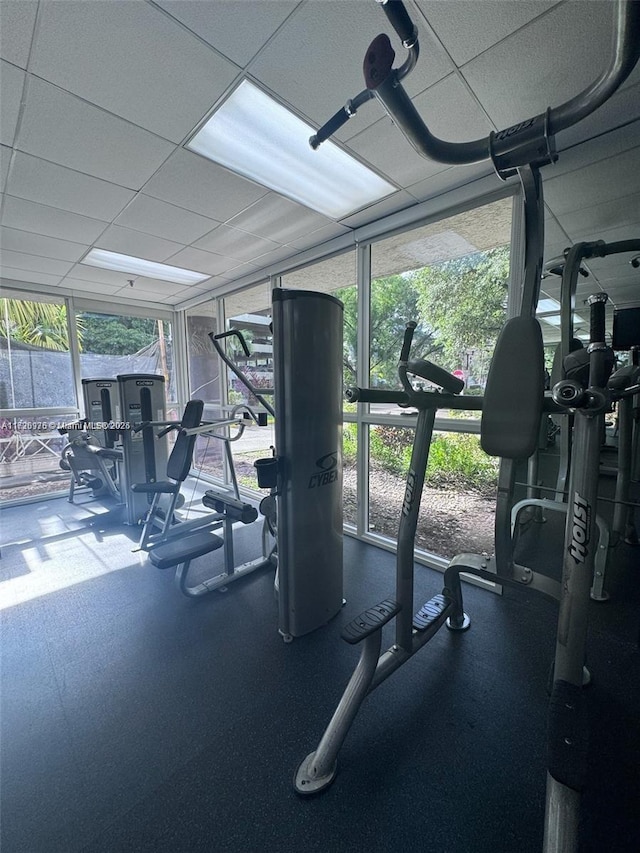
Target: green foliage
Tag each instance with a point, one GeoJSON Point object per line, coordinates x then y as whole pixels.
{"type": "Point", "coordinates": [394, 301]}
{"type": "Point", "coordinates": [349, 443]}
{"type": "Point", "coordinates": [455, 459]}
{"type": "Point", "coordinates": [120, 335]}
{"type": "Point", "coordinates": [39, 324]}
{"type": "Point", "coordinates": [464, 300]}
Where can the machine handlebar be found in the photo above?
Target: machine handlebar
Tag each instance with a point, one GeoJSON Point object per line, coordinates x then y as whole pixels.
{"type": "Point", "coordinates": [528, 142]}
{"type": "Point", "coordinates": [432, 373]}
{"type": "Point", "coordinates": [231, 333]}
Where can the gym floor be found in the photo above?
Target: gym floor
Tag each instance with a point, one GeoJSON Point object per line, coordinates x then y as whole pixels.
{"type": "Point", "coordinates": [134, 719]}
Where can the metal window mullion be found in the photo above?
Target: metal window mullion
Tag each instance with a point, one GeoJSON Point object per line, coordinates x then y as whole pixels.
{"type": "Point", "coordinates": [363, 283]}
{"type": "Point", "coordinates": [74, 348]}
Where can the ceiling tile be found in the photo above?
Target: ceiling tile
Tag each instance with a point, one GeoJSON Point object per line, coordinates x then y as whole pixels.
{"type": "Point", "coordinates": [628, 296]}
{"type": "Point", "coordinates": [322, 235]}
{"type": "Point", "coordinates": [604, 216]}
{"type": "Point", "coordinates": [21, 261]}
{"type": "Point", "coordinates": [30, 276]}
{"type": "Point", "coordinates": [164, 220]}
{"type": "Point", "coordinates": [37, 244]}
{"type": "Point", "coordinates": [544, 63]}
{"type": "Point", "coordinates": [618, 118]}
{"type": "Point", "coordinates": [132, 60]}
{"type": "Point", "coordinates": [449, 179]}
{"type": "Point", "coordinates": [5, 159]}
{"type": "Point", "coordinates": [398, 201]}
{"type": "Point", "coordinates": [333, 38]}
{"type": "Point", "coordinates": [279, 219]}
{"type": "Point", "coordinates": [235, 244]}
{"type": "Point", "coordinates": [82, 287]}
{"type": "Point", "coordinates": [615, 177]}
{"type": "Point", "coordinates": [196, 259]}
{"type": "Point", "coordinates": [47, 183]}
{"type": "Point", "coordinates": [137, 244]}
{"type": "Point", "coordinates": [16, 29]}
{"type": "Point", "coordinates": [616, 140]}
{"type": "Point", "coordinates": [49, 221]}
{"type": "Point", "coordinates": [197, 184]}
{"type": "Point", "coordinates": [98, 275]}
{"type": "Point", "coordinates": [63, 129]}
{"type": "Point", "coordinates": [155, 287]}
{"type": "Point", "coordinates": [386, 148]}
{"type": "Point", "coordinates": [467, 27]}
{"type": "Point", "coordinates": [11, 85]}
{"type": "Point", "coordinates": [223, 24]}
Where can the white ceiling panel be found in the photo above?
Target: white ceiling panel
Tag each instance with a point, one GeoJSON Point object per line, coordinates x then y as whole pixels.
{"type": "Point", "coordinates": [82, 287]}
{"type": "Point", "coordinates": [234, 243]}
{"type": "Point", "coordinates": [63, 129]}
{"type": "Point", "coordinates": [85, 272]}
{"type": "Point", "coordinates": [609, 179]}
{"type": "Point", "coordinates": [155, 287]}
{"type": "Point", "coordinates": [47, 183]}
{"type": "Point", "coordinates": [322, 235]}
{"type": "Point", "coordinates": [621, 111]}
{"type": "Point", "coordinates": [5, 159]}
{"type": "Point", "coordinates": [226, 28]}
{"type": "Point", "coordinates": [137, 244]}
{"type": "Point", "coordinates": [18, 260]}
{"type": "Point", "coordinates": [468, 27]}
{"type": "Point", "coordinates": [196, 184]}
{"type": "Point", "coordinates": [629, 296]}
{"type": "Point", "coordinates": [29, 216]}
{"type": "Point", "coordinates": [606, 145]}
{"type": "Point", "coordinates": [325, 69]}
{"type": "Point", "coordinates": [16, 28]}
{"type": "Point", "coordinates": [197, 259]}
{"type": "Point", "coordinates": [30, 276]}
{"type": "Point", "coordinates": [451, 178]}
{"type": "Point", "coordinates": [604, 216]}
{"type": "Point", "coordinates": [11, 85]}
{"type": "Point", "coordinates": [544, 63]}
{"type": "Point", "coordinates": [386, 149]}
{"type": "Point", "coordinates": [132, 60]}
{"type": "Point", "coordinates": [164, 220]}
{"type": "Point", "coordinates": [398, 201]}
{"type": "Point", "coordinates": [37, 244]}
{"type": "Point", "coordinates": [279, 219]}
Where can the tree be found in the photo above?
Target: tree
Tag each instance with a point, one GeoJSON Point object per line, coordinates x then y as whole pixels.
{"type": "Point", "coordinates": [117, 335]}
{"type": "Point", "coordinates": [40, 324]}
{"type": "Point", "coordinates": [464, 300]}
{"type": "Point", "coordinates": [394, 301]}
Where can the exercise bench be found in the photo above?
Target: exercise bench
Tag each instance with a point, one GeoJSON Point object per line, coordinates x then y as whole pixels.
{"type": "Point", "coordinates": [181, 550]}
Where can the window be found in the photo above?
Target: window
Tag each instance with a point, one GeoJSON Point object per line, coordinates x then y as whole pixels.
{"type": "Point", "coordinates": [37, 394]}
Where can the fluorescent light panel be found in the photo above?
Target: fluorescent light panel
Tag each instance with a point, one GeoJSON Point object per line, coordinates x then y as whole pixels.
{"type": "Point", "coordinates": [138, 266]}
{"type": "Point", "coordinates": [255, 136]}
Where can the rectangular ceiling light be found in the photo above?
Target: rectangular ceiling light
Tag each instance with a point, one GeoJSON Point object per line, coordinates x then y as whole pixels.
{"type": "Point", "coordinates": [255, 136]}
{"type": "Point", "coordinates": [138, 266]}
{"type": "Point", "coordinates": [547, 305]}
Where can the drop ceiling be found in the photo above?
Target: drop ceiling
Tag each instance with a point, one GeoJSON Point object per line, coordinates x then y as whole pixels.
{"type": "Point", "coordinates": [98, 100]}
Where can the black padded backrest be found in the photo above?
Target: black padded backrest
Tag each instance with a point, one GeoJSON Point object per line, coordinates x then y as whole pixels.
{"type": "Point", "coordinates": [557, 370]}
{"type": "Point", "coordinates": [513, 398]}
{"type": "Point", "coordinates": [179, 462]}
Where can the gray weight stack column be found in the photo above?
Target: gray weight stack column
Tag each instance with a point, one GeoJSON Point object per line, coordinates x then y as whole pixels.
{"type": "Point", "coordinates": [145, 456]}
{"type": "Point", "coordinates": [307, 341]}
{"type": "Point", "coordinates": [102, 405]}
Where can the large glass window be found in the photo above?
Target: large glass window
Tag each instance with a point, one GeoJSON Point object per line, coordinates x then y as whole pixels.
{"type": "Point", "coordinates": [37, 394]}
{"type": "Point", "coordinates": [451, 277]}
{"type": "Point", "coordinates": [249, 313]}
{"type": "Point", "coordinates": [113, 344]}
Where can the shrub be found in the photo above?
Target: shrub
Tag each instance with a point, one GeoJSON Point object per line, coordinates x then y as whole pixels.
{"type": "Point", "coordinates": [455, 459]}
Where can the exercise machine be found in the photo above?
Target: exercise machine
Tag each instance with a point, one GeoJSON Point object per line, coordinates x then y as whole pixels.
{"type": "Point", "coordinates": [304, 475]}
{"type": "Point", "coordinates": [520, 150]}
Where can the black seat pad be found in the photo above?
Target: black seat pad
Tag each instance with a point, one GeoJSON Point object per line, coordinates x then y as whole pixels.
{"type": "Point", "coordinates": [184, 548]}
